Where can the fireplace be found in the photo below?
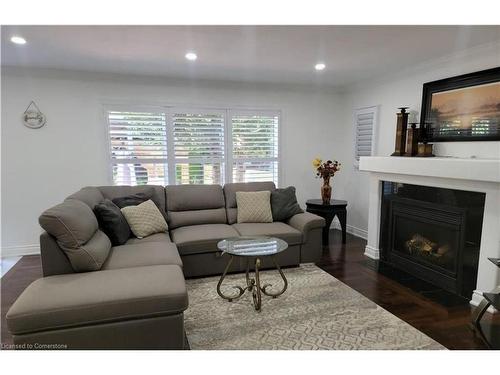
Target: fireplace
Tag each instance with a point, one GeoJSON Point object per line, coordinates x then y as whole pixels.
{"type": "Point", "coordinates": [432, 233]}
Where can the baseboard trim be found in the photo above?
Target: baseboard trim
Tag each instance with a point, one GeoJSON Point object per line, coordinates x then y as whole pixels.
{"type": "Point", "coordinates": [477, 297]}
{"type": "Point", "coordinates": [355, 231]}
{"type": "Point", "coordinates": [16, 251]}
{"type": "Point", "coordinates": [372, 252]}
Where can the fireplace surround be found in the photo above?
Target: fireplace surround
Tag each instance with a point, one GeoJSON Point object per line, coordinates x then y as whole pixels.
{"type": "Point", "coordinates": [432, 233]}
{"type": "Point", "coordinates": [465, 174]}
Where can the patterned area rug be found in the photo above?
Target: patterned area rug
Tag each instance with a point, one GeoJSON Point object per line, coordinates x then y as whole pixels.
{"type": "Point", "coordinates": [316, 312]}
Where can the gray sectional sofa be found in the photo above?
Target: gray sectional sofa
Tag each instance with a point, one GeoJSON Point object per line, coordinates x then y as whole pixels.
{"type": "Point", "coordinates": [137, 298]}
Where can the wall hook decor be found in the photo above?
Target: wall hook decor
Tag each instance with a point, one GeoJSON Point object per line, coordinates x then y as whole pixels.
{"type": "Point", "coordinates": [32, 117]}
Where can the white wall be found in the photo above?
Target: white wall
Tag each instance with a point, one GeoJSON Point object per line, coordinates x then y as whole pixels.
{"type": "Point", "coordinates": [390, 92]}
{"type": "Point", "coordinates": [41, 167]}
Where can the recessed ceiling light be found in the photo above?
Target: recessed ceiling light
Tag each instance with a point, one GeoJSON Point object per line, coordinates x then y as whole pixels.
{"type": "Point", "coordinates": [18, 40]}
{"type": "Point", "coordinates": [191, 56]}
{"type": "Point", "coordinates": [319, 66]}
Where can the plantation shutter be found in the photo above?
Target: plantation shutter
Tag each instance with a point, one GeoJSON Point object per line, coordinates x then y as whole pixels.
{"type": "Point", "coordinates": [198, 146]}
{"type": "Point", "coordinates": [176, 145]}
{"type": "Point", "coordinates": [138, 147]}
{"type": "Point", "coordinates": [365, 119]}
{"type": "Point", "coordinates": [254, 139]}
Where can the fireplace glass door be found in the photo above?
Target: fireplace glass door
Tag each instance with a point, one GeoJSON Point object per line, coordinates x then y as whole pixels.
{"type": "Point", "coordinates": [428, 242]}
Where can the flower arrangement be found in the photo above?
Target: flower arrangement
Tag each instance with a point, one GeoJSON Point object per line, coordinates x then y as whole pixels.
{"type": "Point", "coordinates": [325, 170]}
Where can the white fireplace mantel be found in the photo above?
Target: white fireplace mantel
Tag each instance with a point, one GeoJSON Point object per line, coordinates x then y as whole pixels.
{"type": "Point", "coordinates": [480, 175]}
{"type": "Point", "coordinates": [487, 170]}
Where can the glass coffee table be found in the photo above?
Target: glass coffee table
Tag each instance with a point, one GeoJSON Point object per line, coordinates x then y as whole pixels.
{"type": "Point", "coordinates": [252, 248]}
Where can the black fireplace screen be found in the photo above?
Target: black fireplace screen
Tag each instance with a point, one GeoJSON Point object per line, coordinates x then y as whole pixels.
{"type": "Point", "coordinates": [430, 245]}
{"type": "Point", "coordinates": [433, 233]}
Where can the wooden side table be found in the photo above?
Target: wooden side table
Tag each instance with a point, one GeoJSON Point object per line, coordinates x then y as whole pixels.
{"type": "Point", "coordinates": [328, 212]}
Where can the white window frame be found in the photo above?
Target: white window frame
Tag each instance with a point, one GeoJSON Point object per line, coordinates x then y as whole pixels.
{"type": "Point", "coordinates": [360, 111]}
{"type": "Point", "coordinates": [168, 109]}
{"type": "Point", "coordinates": [170, 138]}
{"type": "Point", "coordinates": [129, 108]}
{"type": "Point", "coordinates": [236, 112]}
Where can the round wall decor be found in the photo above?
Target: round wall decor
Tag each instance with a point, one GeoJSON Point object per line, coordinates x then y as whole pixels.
{"type": "Point", "coordinates": [32, 117]}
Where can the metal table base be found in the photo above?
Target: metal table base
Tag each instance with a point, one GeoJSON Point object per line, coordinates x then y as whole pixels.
{"type": "Point", "coordinates": [253, 283]}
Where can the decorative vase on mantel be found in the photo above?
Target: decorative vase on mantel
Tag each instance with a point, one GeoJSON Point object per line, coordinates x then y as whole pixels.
{"type": "Point", "coordinates": [326, 191]}
{"type": "Point", "coordinates": [326, 170]}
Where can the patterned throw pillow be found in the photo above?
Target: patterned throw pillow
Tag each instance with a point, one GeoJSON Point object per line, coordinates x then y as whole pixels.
{"type": "Point", "coordinates": [138, 198]}
{"type": "Point", "coordinates": [254, 207]}
{"type": "Point", "coordinates": [145, 219]}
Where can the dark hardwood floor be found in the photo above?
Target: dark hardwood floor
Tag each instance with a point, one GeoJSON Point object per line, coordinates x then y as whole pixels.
{"type": "Point", "coordinates": [436, 313]}
{"type": "Point", "coordinates": [440, 315]}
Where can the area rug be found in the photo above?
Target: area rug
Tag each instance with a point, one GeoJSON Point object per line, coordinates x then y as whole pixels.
{"type": "Point", "coordinates": [317, 311]}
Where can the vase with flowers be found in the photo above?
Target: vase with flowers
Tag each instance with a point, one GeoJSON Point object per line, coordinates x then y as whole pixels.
{"type": "Point", "coordinates": [326, 170]}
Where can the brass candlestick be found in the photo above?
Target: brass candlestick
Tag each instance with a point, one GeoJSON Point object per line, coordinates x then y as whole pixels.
{"type": "Point", "coordinates": [401, 127]}
{"type": "Point", "coordinates": [412, 140]}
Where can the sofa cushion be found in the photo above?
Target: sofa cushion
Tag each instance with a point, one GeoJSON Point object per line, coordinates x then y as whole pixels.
{"type": "Point", "coordinates": [75, 228]}
{"type": "Point", "coordinates": [195, 205]}
{"type": "Point", "coordinates": [142, 254]}
{"type": "Point", "coordinates": [112, 222]}
{"type": "Point", "coordinates": [194, 197]}
{"type": "Point", "coordinates": [157, 237]}
{"type": "Point", "coordinates": [90, 195]}
{"type": "Point", "coordinates": [196, 239]}
{"type": "Point", "coordinates": [72, 222]}
{"type": "Point", "coordinates": [284, 204]}
{"type": "Point", "coordinates": [254, 207]}
{"type": "Point", "coordinates": [154, 192]}
{"type": "Point", "coordinates": [230, 190]}
{"type": "Point", "coordinates": [62, 301]}
{"type": "Point", "coordinates": [281, 230]}
{"type": "Point", "coordinates": [145, 219]}
{"type": "Point", "coordinates": [197, 217]}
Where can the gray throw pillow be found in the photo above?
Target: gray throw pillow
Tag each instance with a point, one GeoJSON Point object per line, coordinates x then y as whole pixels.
{"type": "Point", "coordinates": [112, 222]}
{"type": "Point", "coordinates": [133, 199]}
{"type": "Point", "coordinates": [284, 204]}
{"type": "Point", "coordinates": [75, 228]}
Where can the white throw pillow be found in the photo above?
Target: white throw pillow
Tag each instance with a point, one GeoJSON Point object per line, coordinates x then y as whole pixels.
{"type": "Point", "coordinates": [254, 207]}
{"type": "Point", "coordinates": [145, 219]}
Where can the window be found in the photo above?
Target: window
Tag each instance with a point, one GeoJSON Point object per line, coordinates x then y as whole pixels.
{"type": "Point", "coordinates": [365, 120]}
{"type": "Point", "coordinates": [198, 142]}
{"type": "Point", "coordinates": [138, 147]}
{"type": "Point", "coordinates": [254, 147]}
{"type": "Point", "coordinates": [173, 145]}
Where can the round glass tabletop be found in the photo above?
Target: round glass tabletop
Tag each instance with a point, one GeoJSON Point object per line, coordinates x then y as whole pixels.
{"type": "Point", "coordinates": [252, 246]}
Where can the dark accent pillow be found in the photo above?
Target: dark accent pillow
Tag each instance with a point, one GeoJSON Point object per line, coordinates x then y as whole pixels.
{"type": "Point", "coordinates": [112, 222]}
{"type": "Point", "coordinates": [132, 200]}
{"type": "Point", "coordinates": [284, 204]}
{"type": "Point", "coordinates": [138, 198]}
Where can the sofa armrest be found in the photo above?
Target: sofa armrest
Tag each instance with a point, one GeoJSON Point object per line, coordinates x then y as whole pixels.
{"type": "Point", "coordinates": [54, 260]}
{"type": "Point", "coordinates": [311, 227]}
{"type": "Point", "coordinates": [306, 221]}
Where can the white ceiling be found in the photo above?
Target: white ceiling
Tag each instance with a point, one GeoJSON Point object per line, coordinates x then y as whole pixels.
{"type": "Point", "coordinates": [241, 53]}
